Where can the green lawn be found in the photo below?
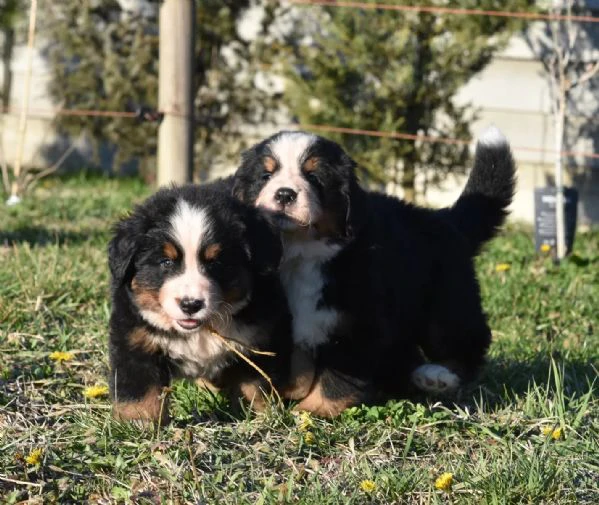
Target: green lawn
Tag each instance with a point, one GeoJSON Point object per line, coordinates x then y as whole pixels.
{"type": "Point", "coordinates": [526, 433]}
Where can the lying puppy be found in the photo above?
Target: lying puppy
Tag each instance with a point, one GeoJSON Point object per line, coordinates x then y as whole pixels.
{"type": "Point", "coordinates": [383, 294]}
{"type": "Point", "coordinates": [191, 266]}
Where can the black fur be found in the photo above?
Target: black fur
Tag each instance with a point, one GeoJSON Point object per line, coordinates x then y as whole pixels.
{"type": "Point", "coordinates": [480, 210]}
{"type": "Point", "coordinates": [404, 280]}
{"type": "Point", "coordinates": [248, 262]}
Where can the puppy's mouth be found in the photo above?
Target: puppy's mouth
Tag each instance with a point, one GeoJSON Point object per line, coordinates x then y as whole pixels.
{"type": "Point", "coordinates": [287, 222]}
{"type": "Point", "coordinates": [189, 324]}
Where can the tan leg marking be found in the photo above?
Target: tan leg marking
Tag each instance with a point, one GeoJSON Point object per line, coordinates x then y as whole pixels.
{"type": "Point", "coordinates": [301, 376]}
{"type": "Point", "coordinates": [152, 407]}
{"type": "Point", "coordinates": [252, 392]}
{"type": "Point", "coordinates": [322, 406]}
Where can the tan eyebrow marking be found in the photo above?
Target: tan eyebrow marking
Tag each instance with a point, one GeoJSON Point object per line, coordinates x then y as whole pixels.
{"type": "Point", "coordinates": [170, 251]}
{"type": "Point", "coordinates": [270, 164]}
{"type": "Point", "coordinates": [212, 251]}
{"type": "Point", "coordinates": [311, 164]}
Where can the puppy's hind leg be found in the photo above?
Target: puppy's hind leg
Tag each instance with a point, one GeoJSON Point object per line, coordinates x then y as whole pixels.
{"type": "Point", "coordinates": [333, 392]}
{"type": "Point", "coordinates": [301, 376]}
{"type": "Point", "coordinates": [455, 341]}
{"type": "Point", "coordinates": [435, 379]}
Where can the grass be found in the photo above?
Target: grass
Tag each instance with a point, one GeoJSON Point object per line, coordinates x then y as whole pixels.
{"type": "Point", "coordinates": [526, 433]}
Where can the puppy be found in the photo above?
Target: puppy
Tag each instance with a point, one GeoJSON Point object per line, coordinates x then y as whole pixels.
{"type": "Point", "coordinates": [191, 267]}
{"type": "Point", "coordinates": [383, 294]}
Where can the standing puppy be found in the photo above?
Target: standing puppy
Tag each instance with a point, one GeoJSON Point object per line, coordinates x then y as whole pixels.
{"type": "Point", "coordinates": [192, 266]}
{"type": "Point", "coordinates": [383, 294]}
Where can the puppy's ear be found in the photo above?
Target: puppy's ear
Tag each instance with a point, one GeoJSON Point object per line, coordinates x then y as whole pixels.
{"type": "Point", "coordinates": [245, 176]}
{"type": "Point", "coordinates": [264, 240]}
{"type": "Point", "coordinates": [122, 250]}
{"type": "Point", "coordinates": [238, 190]}
{"type": "Point", "coordinates": [354, 199]}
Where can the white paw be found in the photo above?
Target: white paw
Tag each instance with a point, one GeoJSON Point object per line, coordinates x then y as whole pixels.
{"type": "Point", "coordinates": [435, 379]}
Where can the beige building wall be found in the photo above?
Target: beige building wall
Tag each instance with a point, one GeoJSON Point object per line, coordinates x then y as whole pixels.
{"type": "Point", "coordinates": [40, 134]}
{"type": "Point", "coordinates": [512, 93]}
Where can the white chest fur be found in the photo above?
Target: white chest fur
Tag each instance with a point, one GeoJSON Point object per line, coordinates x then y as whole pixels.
{"type": "Point", "coordinates": [203, 350]}
{"type": "Point", "coordinates": [302, 279]}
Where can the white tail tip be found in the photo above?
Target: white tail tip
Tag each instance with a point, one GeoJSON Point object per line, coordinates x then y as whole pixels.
{"type": "Point", "coordinates": [492, 136]}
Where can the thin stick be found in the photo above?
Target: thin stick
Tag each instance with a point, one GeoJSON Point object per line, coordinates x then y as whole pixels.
{"type": "Point", "coordinates": [188, 440]}
{"type": "Point", "coordinates": [253, 351]}
{"type": "Point", "coordinates": [21, 482]}
{"type": "Point", "coordinates": [32, 180]}
{"type": "Point", "coordinates": [248, 361]}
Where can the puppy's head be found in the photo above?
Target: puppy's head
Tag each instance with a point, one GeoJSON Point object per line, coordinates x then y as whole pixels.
{"type": "Point", "coordinates": [189, 255]}
{"type": "Point", "coordinates": [306, 182]}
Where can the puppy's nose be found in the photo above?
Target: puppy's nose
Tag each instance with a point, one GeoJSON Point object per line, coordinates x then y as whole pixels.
{"type": "Point", "coordinates": [190, 305]}
{"type": "Point", "coordinates": [285, 196]}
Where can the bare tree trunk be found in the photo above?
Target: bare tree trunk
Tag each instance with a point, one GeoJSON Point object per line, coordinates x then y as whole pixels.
{"type": "Point", "coordinates": [16, 188]}
{"type": "Point", "coordinates": [9, 42]}
{"type": "Point", "coordinates": [559, 179]}
{"type": "Point", "coordinates": [560, 90]}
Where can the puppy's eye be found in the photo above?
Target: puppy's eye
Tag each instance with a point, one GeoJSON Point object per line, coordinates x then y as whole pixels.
{"type": "Point", "coordinates": [167, 263]}
{"type": "Point", "coordinates": [266, 176]}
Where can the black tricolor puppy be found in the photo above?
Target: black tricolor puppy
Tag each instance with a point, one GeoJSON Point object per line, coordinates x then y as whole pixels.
{"type": "Point", "coordinates": [383, 294]}
{"type": "Point", "coordinates": [191, 265]}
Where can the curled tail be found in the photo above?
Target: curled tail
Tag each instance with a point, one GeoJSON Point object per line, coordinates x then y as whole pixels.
{"type": "Point", "coordinates": [481, 209]}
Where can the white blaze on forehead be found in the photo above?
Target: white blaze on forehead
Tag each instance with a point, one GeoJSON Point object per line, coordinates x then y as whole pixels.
{"type": "Point", "coordinates": [190, 228]}
{"type": "Point", "coordinates": [190, 225]}
{"type": "Point", "coordinates": [289, 148]}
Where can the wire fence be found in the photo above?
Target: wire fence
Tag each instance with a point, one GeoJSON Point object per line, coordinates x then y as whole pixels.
{"type": "Point", "coordinates": [145, 114]}
{"type": "Point", "coordinates": [531, 16]}
{"type": "Point", "coordinates": [156, 116]}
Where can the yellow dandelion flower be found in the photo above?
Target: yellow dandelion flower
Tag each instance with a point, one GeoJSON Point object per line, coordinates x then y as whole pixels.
{"type": "Point", "coordinates": [555, 434]}
{"type": "Point", "coordinates": [34, 458]}
{"type": "Point", "coordinates": [502, 267]}
{"type": "Point", "coordinates": [95, 391]}
{"type": "Point", "coordinates": [368, 486]}
{"type": "Point", "coordinates": [444, 481]}
{"type": "Point", "coordinates": [60, 356]}
{"type": "Point", "coordinates": [545, 248]}
{"type": "Point", "coordinates": [309, 438]}
{"type": "Point", "coordinates": [305, 421]}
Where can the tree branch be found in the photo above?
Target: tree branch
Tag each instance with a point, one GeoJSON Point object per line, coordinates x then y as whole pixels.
{"type": "Point", "coordinates": [31, 180]}
{"type": "Point", "coordinates": [592, 69]}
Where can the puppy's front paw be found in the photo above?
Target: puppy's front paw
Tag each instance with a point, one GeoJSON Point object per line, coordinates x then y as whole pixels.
{"type": "Point", "coordinates": [433, 378]}
{"type": "Point", "coordinates": [152, 407]}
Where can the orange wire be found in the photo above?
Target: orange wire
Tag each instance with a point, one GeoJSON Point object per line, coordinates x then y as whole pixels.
{"type": "Point", "coordinates": [430, 139]}
{"type": "Point", "coordinates": [320, 127]}
{"type": "Point", "coordinates": [447, 10]}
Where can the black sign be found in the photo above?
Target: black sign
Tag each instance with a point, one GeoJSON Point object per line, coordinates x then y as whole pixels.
{"type": "Point", "coordinates": [545, 228]}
